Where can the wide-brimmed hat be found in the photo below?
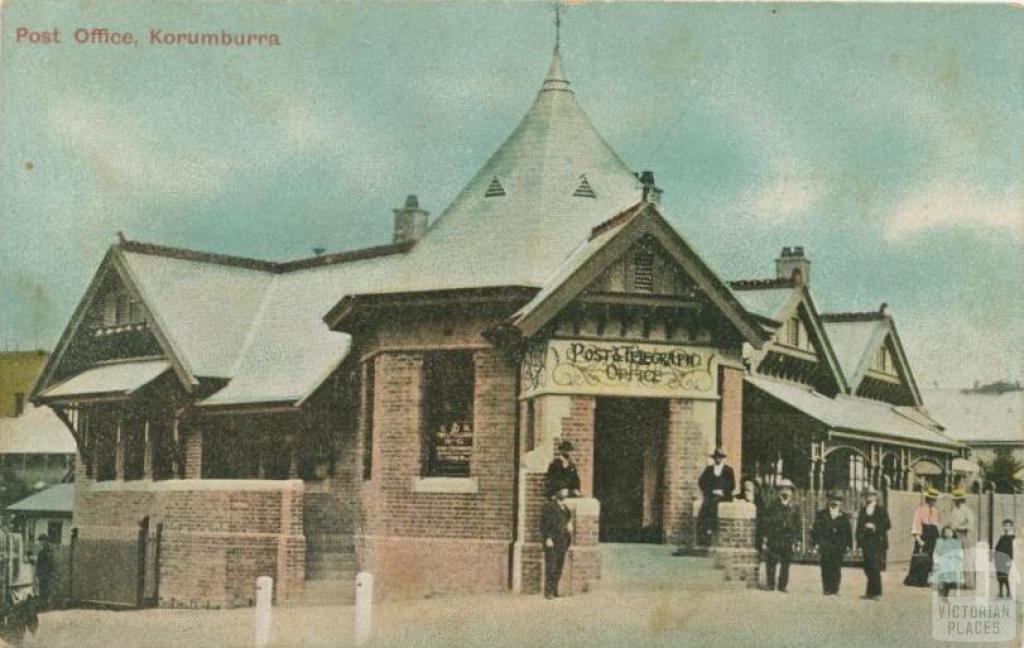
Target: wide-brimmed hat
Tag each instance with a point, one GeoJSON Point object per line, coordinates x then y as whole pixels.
{"type": "Point", "coordinates": [931, 493]}
{"type": "Point", "coordinates": [718, 453]}
{"type": "Point", "coordinates": [784, 483]}
{"type": "Point", "coordinates": [835, 496]}
{"type": "Point", "coordinates": [565, 446]}
{"type": "Point", "coordinates": [959, 494]}
{"type": "Point", "coordinates": [871, 490]}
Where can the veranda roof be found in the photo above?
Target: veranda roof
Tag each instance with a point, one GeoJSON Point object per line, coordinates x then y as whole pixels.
{"type": "Point", "coordinates": [59, 498]}
{"type": "Point", "coordinates": [852, 414]}
{"type": "Point", "coordinates": [114, 379]}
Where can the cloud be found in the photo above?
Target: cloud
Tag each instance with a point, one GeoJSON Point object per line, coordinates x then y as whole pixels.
{"type": "Point", "coordinates": [943, 206]}
{"type": "Point", "coordinates": [124, 154]}
{"type": "Point", "coordinates": [788, 192]}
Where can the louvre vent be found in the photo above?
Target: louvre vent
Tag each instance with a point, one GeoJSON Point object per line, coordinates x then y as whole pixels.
{"type": "Point", "coordinates": [494, 189]}
{"type": "Point", "coordinates": [584, 190]}
{"type": "Point", "coordinates": [643, 271]}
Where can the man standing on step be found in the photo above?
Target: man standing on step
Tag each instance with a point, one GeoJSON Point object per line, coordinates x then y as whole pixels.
{"type": "Point", "coordinates": [716, 484]}
{"type": "Point", "coordinates": [556, 530]}
{"type": "Point", "coordinates": [781, 529]}
{"type": "Point", "coordinates": [562, 472]}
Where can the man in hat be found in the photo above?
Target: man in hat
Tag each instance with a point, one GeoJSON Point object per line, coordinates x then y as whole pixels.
{"type": "Point", "coordinates": [964, 522]}
{"type": "Point", "coordinates": [562, 472]}
{"type": "Point", "coordinates": [716, 484]}
{"type": "Point", "coordinates": [556, 529]}
{"type": "Point", "coordinates": [873, 539]}
{"type": "Point", "coordinates": [833, 536]}
{"type": "Point", "coordinates": [781, 529]}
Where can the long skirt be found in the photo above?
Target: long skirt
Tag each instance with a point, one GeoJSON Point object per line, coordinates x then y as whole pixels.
{"type": "Point", "coordinates": [921, 561]}
{"type": "Point", "coordinates": [967, 575]}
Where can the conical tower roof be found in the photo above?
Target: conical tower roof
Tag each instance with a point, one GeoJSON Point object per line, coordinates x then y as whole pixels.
{"type": "Point", "coordinates": [525, 210]}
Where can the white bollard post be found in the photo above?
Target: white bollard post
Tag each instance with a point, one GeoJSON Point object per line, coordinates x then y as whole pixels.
{"type": "Point", "coordinates": [262, 615]}
{"type": "Point", "coordinates": [364, 607]}
{"type": "Point", "coordinates": [1018, 563]}
{"type": "Point", "coordinates": [982, 571]}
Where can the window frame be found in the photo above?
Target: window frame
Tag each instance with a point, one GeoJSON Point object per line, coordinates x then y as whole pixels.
{"type": "Point", "coordinates": [433, 412]}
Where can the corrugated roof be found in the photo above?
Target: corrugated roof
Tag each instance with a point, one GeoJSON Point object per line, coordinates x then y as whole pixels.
{"type": "Point", "coordinates": [973, 417]}
{"type": "Point", "coordinates": [37, 431]}
{"type": "Point", "coordinates": [59, 498]}
{"type": "Point", "coordinates": [853, 414]}
{"type": "Point", "coordinates": [766, 302]}
{"type": "Point", "coordinates": [851, 341]}
{"type": "Point", "coordinates": [113, 378]}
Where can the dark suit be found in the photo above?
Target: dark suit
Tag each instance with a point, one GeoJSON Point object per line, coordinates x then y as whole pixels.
{"type": "Point", "coordinates": [781, 528]}
{"type": "Point", "coordinates": [707, 519]}
{"type": "Point", "coordinates": [556, 526]}
{"type": "Point", "coordinates": [834, 537]}
{"type": "Point", "coordinates": [561, 475]}
{"type": "Point", "coordinates": [873, 544]}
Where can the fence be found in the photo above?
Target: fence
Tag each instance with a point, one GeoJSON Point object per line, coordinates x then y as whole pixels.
{"type": "Point", "coordinates": [120, 569]}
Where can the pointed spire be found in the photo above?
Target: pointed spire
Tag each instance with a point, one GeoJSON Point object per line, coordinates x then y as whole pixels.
{"type": "Point", "coordinates": [555, 80]}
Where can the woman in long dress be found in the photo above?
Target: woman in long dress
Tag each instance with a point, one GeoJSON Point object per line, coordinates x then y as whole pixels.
{"type": "Point", "coordinates": [964, 522]}
{"type": "Point", "coordinates": [925, 529]}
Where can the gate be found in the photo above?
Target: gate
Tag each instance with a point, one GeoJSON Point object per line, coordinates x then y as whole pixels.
{"type": "Point", "coordinates": [119, 570]}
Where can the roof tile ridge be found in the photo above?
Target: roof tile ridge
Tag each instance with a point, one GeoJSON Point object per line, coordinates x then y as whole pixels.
{"type": "Point", "coordinates": [200, 256]}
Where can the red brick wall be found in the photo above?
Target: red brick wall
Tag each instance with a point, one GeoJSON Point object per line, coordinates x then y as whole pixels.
{"type": "Point", "coordinates": [217, 538]}
{"type": "Point", "coordinates": [403, 529]}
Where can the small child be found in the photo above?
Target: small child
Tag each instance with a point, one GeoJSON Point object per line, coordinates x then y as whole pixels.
{"type": "Point", "coordinates": [1004, 558]}
{"type": "Point", "coordinates": [949, 561]}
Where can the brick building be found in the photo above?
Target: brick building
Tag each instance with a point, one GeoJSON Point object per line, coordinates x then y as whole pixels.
{"type": "Point", "coordinates": [394, 409]}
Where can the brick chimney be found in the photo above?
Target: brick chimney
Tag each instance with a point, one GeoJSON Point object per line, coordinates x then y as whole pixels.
{"type": "Point", "coordinates": [410, 221]}
{"type": "Point", "coordinates": [648, 190]}
{"type": "Point", "coordinates": [792, 264]}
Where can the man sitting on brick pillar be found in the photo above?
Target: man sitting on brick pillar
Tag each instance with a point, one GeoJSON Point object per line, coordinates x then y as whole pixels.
{"type": "Point", "coordinates": [562, 472]}
{"type": "Point", "coordinates": [716, 483]}
{"type": "Point", "coordinates": [556, 528]}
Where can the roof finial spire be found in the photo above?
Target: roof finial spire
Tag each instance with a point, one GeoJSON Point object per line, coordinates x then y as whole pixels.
{"type": "Point", "coordinates": [558, 24]}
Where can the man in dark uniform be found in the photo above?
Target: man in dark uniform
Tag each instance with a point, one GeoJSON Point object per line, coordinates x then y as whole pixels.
{"type": "Point", "coordinates": [556, 531]}
{"type": "Point", "coordinates": [43, 559]}
{"type": "Point", "coordinates": [562, 472]}
{"type": "Point", "coordinates": [833, 536]}
{"type": "Point", "coordinates": [873, 539]}
{"type": "Point", "coordinates": [781, 530]}
{"type": "Point", "coordinates": [716, 483]}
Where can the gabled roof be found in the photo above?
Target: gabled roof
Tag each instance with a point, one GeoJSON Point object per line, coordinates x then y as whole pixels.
{"type": "Point", "coordinates": [606, 244]}
{"type": "Point", "coordinates": [856, 336]}
{"type": "Point", "coordinates": [37, 431]}
{"type": "Point", "coordinates": [777, 300]}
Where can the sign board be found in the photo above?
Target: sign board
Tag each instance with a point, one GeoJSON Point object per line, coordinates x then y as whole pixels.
{"type": "Point", "coordinates": [619, 369]}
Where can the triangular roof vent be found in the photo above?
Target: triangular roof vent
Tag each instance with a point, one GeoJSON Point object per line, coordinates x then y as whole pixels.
{"type": "Point", "coordinates": [584, 190]}
{"type": "Point", "coordinates": [494, 189]}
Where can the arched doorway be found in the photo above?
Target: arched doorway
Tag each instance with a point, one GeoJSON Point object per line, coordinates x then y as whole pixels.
{"type": "Point", "coordinates": [847, 468]}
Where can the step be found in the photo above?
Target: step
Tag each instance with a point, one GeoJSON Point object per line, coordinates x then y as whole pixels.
{"type": "Point", "coordinates": [327, 592]}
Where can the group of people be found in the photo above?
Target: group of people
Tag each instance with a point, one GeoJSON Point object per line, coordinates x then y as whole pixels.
{"type": "Point", "coordinates": [945, 559]}
{"type": "Point", "coordinates": [938, 557]}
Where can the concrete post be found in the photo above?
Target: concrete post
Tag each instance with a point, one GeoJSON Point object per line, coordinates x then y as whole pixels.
{"type": "Point", "coordinates": [364, 607]}
{"type": "Point", "coordinates": [262, 615]}
{"type": "Point", "coordinates": [982, 573]}
{"type": "Point", "coordinates": [734, 542]}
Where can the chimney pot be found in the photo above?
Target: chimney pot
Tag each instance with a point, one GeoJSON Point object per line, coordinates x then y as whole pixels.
{"type": "Point", "coordinates": [410, 221]}
{"type": "Point", "coordinates": [792, 264]}
{"type": "Point", "coordinates": [649, 191]}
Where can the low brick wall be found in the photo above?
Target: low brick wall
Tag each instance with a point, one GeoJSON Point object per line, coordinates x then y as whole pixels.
{"type": "Point", "coordinates": [218, 535]}
{"type": "Point", "coordinates": [733, 545]}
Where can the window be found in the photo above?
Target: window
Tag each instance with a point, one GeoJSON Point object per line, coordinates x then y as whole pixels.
{"type": "Point", "coordinates": [793, 332]}
{"type": "Point", "coordinates": [369, 378]}
{"type": "Point", "coordinates": [858, 473]}
{"type": "Point", "coordinates": [122, 311]}
{"type": "Point", "coordinates": [882, 360]}
{"type": "Point", "coordinates": [54, 531]}
{"type": "Point", "coordinates": [103, 437]}
{"type": "Point", "coordinates": [19, 404]}
{"type": "Point", "coordinates": [448, 384]}
{"type": "Point", "coordinates": [133, 439]}
{"type": "Point", "coordinates": [643, 270]}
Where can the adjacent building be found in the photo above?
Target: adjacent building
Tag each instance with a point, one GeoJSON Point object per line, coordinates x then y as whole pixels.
{"type": "Point", "coordinates": [987, 419]}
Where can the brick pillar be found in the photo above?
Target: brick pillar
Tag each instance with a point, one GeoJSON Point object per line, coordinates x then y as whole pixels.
{"type": "Point", "coordinates": [732, 418]}
{"type": "Point", "coordinates": [578, 428]}
{"type": "Point", "coordinates": [193, 453]}
{"type": "Point", "coordinates": [690, 439]}
{"type": "Point", "coordinates": [734, 543]}
{"type": "Point", "coordinates": [583, 564]}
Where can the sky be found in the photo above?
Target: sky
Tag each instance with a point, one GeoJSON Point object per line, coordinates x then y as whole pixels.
{"type": "Point", "coordinates": [885, 139]}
